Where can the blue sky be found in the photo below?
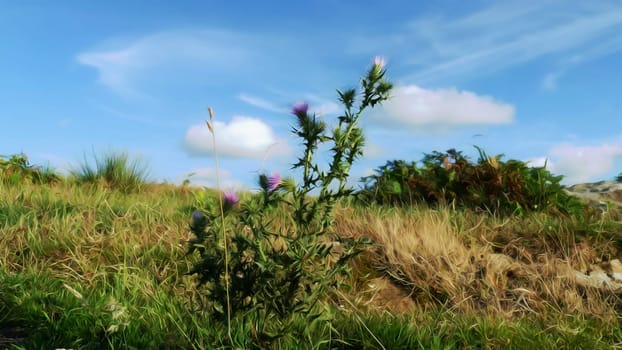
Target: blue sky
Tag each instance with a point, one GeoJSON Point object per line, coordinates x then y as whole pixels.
{"type": "Point", "coordinates": [533, 80]}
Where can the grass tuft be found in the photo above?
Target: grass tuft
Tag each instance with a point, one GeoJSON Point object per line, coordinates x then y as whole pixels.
{"type": "Point", "coordinates": [114, 170]}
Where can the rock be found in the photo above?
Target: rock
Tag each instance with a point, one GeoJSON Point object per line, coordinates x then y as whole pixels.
{"type": "Point", "coordinates": [606, 276]}
{"type": "Point", "coordinates": [602, 196]}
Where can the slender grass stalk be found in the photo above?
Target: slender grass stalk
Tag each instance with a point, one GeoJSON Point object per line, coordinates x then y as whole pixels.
{"type": "Point", "coordinates": [222, 218]}
{"type": "Point", "coordinates": [358, 318]}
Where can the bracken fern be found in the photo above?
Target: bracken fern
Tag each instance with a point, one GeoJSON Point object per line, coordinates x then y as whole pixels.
{"type": "Point", "coordinates": [490, 184]}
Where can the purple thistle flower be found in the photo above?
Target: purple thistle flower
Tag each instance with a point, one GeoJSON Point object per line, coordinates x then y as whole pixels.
{"type": "Point", "coordinates": [198, 220]}
{"type": "Point", "coordinates": [300, 108]}
{"type": "Point", "coordinates": [231, 199]}
{"type": "Point", "coordinates": [274, 181]}
{"type": "Point", "coordinates": [196, 216]}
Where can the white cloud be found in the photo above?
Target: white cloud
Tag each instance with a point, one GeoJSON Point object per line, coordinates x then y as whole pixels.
{"type": "Point", "coordinates": [414, 107]}
{"type": "Point", "coordinates": [368, 172]}
{"type": "Point", "coordinates": [209, 177]}
{"type": "Point", "coordinates": [326, 107]}
{"type": "Point", "coordinates": [539, 162]}
{"type": "Point", "coordinates": [373, 150]}
{"type": "Point", "coordinates": [321, 105]}
{"type": "Point", "coordinates": [243, 137]}
{"type": "Point", "coordinates": [583, 163]}
{"type": "Point", "coordinates": [57, 162]}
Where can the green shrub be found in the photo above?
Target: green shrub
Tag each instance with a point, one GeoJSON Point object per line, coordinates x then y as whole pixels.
{"type": "Point", "coordinates": [450, 178]}
{"type": "Point", "coordinates": [16, 170]}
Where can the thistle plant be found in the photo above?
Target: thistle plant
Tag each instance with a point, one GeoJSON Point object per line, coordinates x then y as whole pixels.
{"type": "Point", "coordinates": [272, 273]}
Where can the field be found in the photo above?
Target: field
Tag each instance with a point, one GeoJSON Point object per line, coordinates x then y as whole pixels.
{"type": "Point", "coordinates": [439, 254]}
{"type": "Point", "coordinates": [85, 266]}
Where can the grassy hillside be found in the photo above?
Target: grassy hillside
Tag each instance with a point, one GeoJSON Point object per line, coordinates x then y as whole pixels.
{"type": "Point", "coordinates": [448, 254]}
{"type": "Point", "coordinates": [85, 266]}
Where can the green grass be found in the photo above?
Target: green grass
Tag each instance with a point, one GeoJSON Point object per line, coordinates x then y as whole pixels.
{"type": "Point", "coordinates": [443, 329]}
{"type": "Point", "coordinates": [92, 267]}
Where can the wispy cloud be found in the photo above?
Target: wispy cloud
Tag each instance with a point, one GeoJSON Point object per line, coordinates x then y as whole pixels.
{"type": "Point", "coordinates": [317, 104]}
{"type": "Point", "coordinates": [132, 117]}
{"type": "Point", "coordinates": [262, 103]}
{"type": "Point", "coordinates": [64, 123]}
{"type": "Point", "coordinates": [415, 108]}
{"type": "Point", "coordinates": [502, 35]}
{"type": "Point", "coordinates": [516, 40]}
{"type": "Point", "coordinates": [121, 66]}
{"type": "Point", "coordinates": [549, 82]}
{"type": "Point", "coordinates": [224, 58]}
{"type": "Point", "coordinates": [242, 137]}
{"type": "Point", "coordinates": [564, 65]}
{"type": "Point", "coordinates": [324, 107]}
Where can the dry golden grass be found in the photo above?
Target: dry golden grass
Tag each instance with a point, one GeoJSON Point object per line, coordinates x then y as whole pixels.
{"type": "Point", "coordinates": [429, 258]}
